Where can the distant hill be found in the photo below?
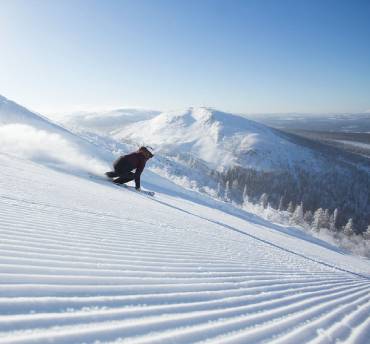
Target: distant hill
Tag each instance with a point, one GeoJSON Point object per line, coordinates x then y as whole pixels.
{"type": "Point", "coordinates": [356, 122]}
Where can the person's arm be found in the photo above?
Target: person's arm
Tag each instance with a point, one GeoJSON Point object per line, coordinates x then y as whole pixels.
{"type": "Point", "coordinates": [138, 172]}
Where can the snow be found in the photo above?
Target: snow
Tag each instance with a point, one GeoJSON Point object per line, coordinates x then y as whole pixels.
{"type": "Point", "coordinates": [29, 135]}
{"type": "Point", "coordinates": [83, 260]}
{"type": "Point", "coordinates": [86, 261]}
{"type": "Point", "coordinates": [220, 139]}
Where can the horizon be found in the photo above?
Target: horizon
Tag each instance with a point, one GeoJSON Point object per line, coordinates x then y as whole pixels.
{"type": "Point", "coordinates": [100, 110]}
{"type": "Point", "coordinates": [58, 115]}
{"type": "Point", "coordinates": [245, 57]}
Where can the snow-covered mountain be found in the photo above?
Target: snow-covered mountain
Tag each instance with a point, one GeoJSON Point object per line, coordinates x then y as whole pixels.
{"type": "Point", "coordinates": [86, 261]}
{"type": "Point", "coordinates": [222, 140]}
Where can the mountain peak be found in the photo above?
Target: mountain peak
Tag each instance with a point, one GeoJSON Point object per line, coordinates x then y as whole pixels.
{"type": "Point", "coordinates": [218, 138]}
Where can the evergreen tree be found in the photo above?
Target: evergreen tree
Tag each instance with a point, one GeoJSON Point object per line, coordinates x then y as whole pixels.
{"type": "Point", "coordinates": [308, 217]}
{"type": "Point", "coordinates": [219, 189]}
{"type": "Point", "coordinates": [366, 234]}
{"type": "Point", "coordinates": [245, 192]}
{"type": "Point", "coordinates": [326, 219]}
{"type": "Point", "coordinates": [318, 219]}
{"type": "Point", "coordinates": [297, 217]}
{"type": "Point", "coordinates": [333, 220]}
{"type": "Point", "coordinates": [290, 207]}
{"type": "Point", "coordinates": [227, 195]}
{"type": "Point", "coordinates": [264, 200]}
{"type": "Point", "coordinates": [245, 199]}
{"type": "Point", "coordinates": [281, 204]}
{"type": "Point", "coordinates": [348, 228]}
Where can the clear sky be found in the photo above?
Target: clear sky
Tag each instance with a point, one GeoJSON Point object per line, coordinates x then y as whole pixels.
{"type": "Point", "coordinates": [246, 56]}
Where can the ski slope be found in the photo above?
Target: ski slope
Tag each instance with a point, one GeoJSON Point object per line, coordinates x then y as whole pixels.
{"type": "Point", "coordinates": [85, 261]}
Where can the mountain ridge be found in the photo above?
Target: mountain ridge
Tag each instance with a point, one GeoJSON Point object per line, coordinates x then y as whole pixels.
{"type": "Point", "coordinates": [216, 137]}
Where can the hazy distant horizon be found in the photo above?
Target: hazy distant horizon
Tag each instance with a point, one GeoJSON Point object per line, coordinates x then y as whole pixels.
{"type": "Point", "coordinates": [102, 109]}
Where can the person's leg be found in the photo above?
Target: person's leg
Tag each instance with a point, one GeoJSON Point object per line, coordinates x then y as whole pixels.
{"type": "Point", "coordinates": [111, 174]}
{"type": "Point", "coordinates": [121, 169]}
{"type": "Point", "coordinates": [124, 178]}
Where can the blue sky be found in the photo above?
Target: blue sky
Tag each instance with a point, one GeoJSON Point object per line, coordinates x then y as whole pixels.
{"type": "Point", "coordinates": [250, 56]}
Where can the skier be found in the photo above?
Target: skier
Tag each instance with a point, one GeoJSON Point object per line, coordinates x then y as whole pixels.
{"type": "Point", "coordinates": [125, 164]}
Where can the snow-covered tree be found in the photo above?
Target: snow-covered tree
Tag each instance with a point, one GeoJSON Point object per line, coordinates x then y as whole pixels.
{"type": "Point", "coordinates": [366, 234]}
{"type": "Point", "coordinates": [245, 192]}
{"type": "Point", "coordinates": [348, 228]}
{"type": "Point", "coordinates": [326, 219]}
{"type": "Point", "coordinates": [227, 195]}
{"type": "Point", "coordinates": [333, 220]}
{"type": "Point", "coordinates": [245, 199]}
{"type": "Point", "coordinates": [219, 189]}
{"type": "Point", "coordinates": [281, 204]}
{"type": "Point", "coordinates": [264, 200]}
{"type": "Point", "coordinates": [290, 207]}
{"type": "Point", "coordinates": [308, 217]}
{"type": "Point", "coordinates": [318, 217]}
{"type": "Point", "coordinates": [297, 217]}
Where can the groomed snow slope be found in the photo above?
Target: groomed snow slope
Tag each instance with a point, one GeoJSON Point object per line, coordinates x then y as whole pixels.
{"type": "Point", "coordinates": [82, 261]}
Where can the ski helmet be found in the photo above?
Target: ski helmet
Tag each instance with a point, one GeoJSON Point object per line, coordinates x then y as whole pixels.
{"type": "Point", "coordinates": [147, 151]}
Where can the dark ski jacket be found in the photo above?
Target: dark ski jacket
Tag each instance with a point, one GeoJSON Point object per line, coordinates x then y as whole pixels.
{"type": "Point", "coordinates": [129, 162]}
